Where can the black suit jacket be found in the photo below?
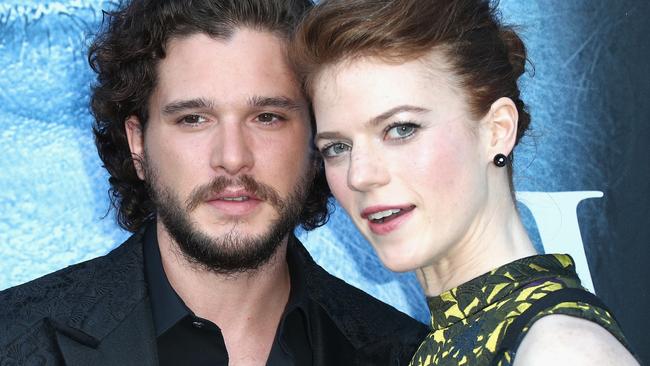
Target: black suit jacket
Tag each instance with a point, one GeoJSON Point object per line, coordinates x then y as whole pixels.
{"type": "Point", "coordinates": [98, 313]}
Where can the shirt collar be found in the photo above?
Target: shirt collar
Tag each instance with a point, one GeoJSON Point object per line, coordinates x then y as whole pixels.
{"type": "Point", "coordinates": [168, 308]}
{"type": "Point", "coordinates": [296, 276]}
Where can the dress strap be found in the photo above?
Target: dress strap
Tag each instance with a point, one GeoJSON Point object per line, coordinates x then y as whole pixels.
{"type": "Point", "coordinates": [511, 340]}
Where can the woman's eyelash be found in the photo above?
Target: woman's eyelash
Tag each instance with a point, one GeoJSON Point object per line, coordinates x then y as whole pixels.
{"type": "Point", "coordinates": [326, 151]}
{"type": "Point", "coordinates": [401, 123]}
{"type": "Point", "coordinates": [402, 130]}
{"type": "Point", "coordinates": [326, 147]}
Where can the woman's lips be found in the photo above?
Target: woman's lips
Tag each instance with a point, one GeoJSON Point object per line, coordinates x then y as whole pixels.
{"type": "Point", "coordinates": [385, 219]}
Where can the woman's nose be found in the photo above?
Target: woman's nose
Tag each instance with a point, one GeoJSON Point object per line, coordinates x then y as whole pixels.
{"type": "Point", "coordinates": [366, 170]}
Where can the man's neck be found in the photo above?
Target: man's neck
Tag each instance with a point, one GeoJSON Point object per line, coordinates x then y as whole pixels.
{"type": "Point", "coordinates": [245, 306]}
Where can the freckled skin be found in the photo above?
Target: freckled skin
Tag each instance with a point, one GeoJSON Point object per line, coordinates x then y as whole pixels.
{"type": "Point", "coordinates": [440, 168]}
{"type": "Point", "coordinates": [433, 156]}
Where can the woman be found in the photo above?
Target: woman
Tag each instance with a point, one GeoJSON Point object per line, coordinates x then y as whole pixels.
{"type": "Point", "coordinates": [418, 111]}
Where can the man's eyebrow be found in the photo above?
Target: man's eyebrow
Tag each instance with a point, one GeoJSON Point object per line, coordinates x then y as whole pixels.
{"type": "Point", "coordinates": [182, 105]}
{"type": "Point", "coordinates": [393, 111]}
{"type": "Point", "coordinates": [277, 102]}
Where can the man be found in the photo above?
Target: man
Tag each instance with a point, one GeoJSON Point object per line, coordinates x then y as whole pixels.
{"type": "Point", "coordinates": [206, 135]}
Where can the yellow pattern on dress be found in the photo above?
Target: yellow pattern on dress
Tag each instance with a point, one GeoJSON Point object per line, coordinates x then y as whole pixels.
{"type": "Point", "coordinates": [470, 321]}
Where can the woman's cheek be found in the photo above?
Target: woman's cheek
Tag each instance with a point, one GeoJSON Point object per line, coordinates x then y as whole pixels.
{"type": "Point", "coordinates": [337, 179]}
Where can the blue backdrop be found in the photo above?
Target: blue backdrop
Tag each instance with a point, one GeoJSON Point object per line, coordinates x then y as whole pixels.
{"type": "Point", "coordinates": [588, 99]}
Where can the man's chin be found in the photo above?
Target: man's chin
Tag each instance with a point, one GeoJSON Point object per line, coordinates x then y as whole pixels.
{"type": "Point", "coordinates": [258, 224]}
{"type": "Point", "coordinates": [228, 249]}
{"type": "Point", "coordinates": [231, 253]}
{"type": "Point", "coordinates": [223, 243]}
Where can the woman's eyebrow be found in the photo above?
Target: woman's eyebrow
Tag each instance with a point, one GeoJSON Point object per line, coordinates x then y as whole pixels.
{"type": "Point", "coordinates": [327, 135]}
{"type": "Point", "coordinates": [393, 111]}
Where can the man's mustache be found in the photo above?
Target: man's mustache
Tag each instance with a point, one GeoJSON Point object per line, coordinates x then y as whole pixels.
{"type": "Point", "coordinates": [219, 184]}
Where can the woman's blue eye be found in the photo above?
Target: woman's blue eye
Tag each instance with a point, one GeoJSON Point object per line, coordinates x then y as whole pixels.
{"type": "Point", "coordinates": [400, 131]}
{"type": "Point", "coordinates": [334, 150]}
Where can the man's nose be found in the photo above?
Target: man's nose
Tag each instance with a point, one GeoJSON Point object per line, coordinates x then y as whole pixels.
{"type": "Point", "coordinates": [367, 169]}
{"type": "Point", "coordinates": [232, 152]}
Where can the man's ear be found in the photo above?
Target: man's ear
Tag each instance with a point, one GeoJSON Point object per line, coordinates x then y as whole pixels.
{"type": "Point", "coordinates": [501, 122]}
{"type": "Point", "coordinates": [135, 136]}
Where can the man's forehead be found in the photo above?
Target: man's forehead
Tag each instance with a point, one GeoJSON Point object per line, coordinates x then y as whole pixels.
{"type": "Point", "coordinates": [250, 65]}
{"type": "Point", "coordinates": [244, 38]}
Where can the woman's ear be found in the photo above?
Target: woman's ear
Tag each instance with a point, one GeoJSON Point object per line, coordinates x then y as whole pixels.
{"type": "Point", "coordinates": [501, 122]}
{"type": "Point", "coordinates": [135, 136]}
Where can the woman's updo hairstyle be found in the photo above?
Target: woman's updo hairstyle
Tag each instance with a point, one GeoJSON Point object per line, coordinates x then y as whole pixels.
{"type": "Point", "coordinates": [486, 56]}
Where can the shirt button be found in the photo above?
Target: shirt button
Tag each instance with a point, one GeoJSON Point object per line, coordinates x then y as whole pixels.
{"type": "Point", "coordinates": [197, 324]}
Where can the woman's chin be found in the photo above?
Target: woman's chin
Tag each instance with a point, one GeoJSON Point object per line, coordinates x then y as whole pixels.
{"type": "Point", "coordinates": [397, 262]}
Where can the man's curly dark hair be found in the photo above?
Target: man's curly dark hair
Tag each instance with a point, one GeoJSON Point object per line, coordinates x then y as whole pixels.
{"type": "Point", "coordinates": [125, 55]}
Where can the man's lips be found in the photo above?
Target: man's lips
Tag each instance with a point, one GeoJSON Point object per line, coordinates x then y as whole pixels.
{"type": "Point", "coordinates": [227, 189]}
{"type": "Point", "coordinates": [235, 203]}
{"type": "Point", "coordinates": [234, 196]}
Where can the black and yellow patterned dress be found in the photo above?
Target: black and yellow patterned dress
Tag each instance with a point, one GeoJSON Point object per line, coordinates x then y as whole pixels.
{"type": "Point", "coordinates": [469, 322]}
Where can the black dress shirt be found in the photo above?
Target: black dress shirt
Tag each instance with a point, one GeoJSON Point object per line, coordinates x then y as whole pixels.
{"type": "Point", "coordinates": [186, 339]}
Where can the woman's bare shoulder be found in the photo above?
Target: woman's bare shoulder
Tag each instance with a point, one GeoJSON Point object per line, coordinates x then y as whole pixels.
{"type": "Point", "coordinates": [567, 340]}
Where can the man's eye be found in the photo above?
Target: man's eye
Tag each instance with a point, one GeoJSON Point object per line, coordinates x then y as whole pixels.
{"type": "Point", "coordinates": [334, 150]}
{"type": "Point", "coordinates": [400, 131]}
{"type": "Point", "coordinates": [269, 118]}
{"type": "Point", "coordinates": [193, 119]}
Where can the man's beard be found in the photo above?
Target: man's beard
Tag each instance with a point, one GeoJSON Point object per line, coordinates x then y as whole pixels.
{"type": "Point", "coordinates": [232, 252]}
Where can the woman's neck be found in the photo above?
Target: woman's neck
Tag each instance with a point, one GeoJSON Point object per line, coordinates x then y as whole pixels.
{"type": "Point", "coordinates": [497, 237]}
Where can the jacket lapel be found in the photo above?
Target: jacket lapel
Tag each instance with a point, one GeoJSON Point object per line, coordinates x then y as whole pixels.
{"type": "Point", "coordinates": [132, 342]}
{"type": "Point", "coordinates": [110, 321]}
{"type": "Point", "coordinates": [329, 345]}
{"type": "Point", "coordinates": [350, 327]}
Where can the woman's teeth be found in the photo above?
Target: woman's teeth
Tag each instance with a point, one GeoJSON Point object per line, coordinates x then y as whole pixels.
{"type": "Point", "coordinates": [383, 214]}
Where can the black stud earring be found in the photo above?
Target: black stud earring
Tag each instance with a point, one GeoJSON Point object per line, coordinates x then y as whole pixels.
{"type": "Point", "coordinates": [500, 160]}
